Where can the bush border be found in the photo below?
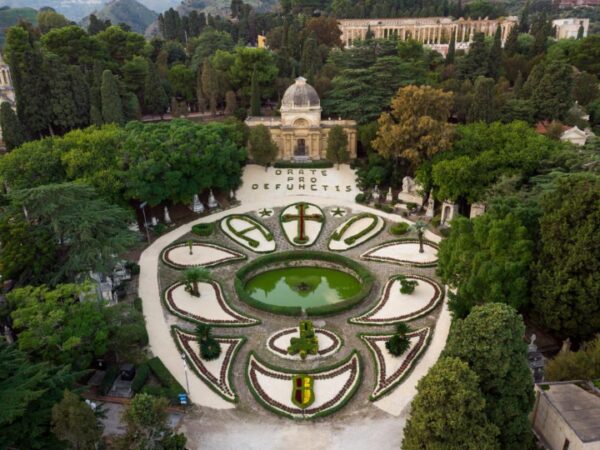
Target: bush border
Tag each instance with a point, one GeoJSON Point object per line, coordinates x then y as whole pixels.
{"type": "Point", "coordinates": [237, 258]}
{"type": "Point", "coordinates": [346, 398]}
{"type": "Point", "coordinates": [291, 241]}
{"type": "Point", "coordinates": [412, 364]}
{"type": "Point", "coordinates": [248, 218]}
{"type": "Point", "coordinates": [252, 320]}
{"type": "Point", "coordinates": [347, 225]}
{"type": "Point", "coordinates": [229, 366]}
{"type": "Point", "coordinates": [433, 304]}
{"type": "Point", "coordinates": [365, 276]}
{"type": "Point", "coordinates": [365, 256]}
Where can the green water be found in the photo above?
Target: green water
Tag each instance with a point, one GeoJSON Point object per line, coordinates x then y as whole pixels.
{"type": "Point", "coordinates": [303, 286]}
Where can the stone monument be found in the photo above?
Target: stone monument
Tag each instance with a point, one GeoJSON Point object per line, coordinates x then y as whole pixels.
{"type": "Point", "coordinates": [212, 201]}
{"type": "Point", "coordinates": [477, 209]}
{"type": "Point", "coordinates": [197, 205]}
{"type": "Point", "coordinates": [449, 211]}
{"type": "Point", "coordinates": [167, 216]}
{"type": "Point", "coordinates": [430, 205]}
{"type": "Point", "coordinates": [410, 192]}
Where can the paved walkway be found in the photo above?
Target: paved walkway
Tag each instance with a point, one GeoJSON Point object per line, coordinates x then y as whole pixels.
{"type": "Point", "coordinates": [215, 424]}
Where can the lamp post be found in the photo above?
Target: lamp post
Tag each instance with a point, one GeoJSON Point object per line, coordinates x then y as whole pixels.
{"type": "Point", "coordinates": [142, 207]}
{"type": "Point", "coordinates": [185, 367]}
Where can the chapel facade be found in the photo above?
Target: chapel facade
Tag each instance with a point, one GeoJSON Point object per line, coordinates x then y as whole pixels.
{"type": "Point", "coordinates": [300, 133]}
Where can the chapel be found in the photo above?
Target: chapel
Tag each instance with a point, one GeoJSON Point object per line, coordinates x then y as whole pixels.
{"type": "Point", "coordinates": [300, 133]}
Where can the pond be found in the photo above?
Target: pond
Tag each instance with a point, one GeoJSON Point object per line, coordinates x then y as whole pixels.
{"type": "Point", "coordinates": [305, 287]}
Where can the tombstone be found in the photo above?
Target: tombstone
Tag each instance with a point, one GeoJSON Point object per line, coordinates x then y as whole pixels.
{"type": "Point", "coordinates": [167, 216]}
{"type": "Point", "coordinates": [390, 195]}
{"type": "Point", "coordinates": [376, 194]}
{"type": "Point", "coordinates": [477, 209]}
{"type": "Point", "coordinates": [232, 195]}
{"type": "Point", "coordinates": [449, 211]}
{"type": "Point", "coordinates": [197, 205]}
{"type": "Point", "coordinates": [133, 226]}
{"type": "Point", "coordinates": [154, 221]}
{"type": "Point", "coordinates": [212, 201]}
{"type": "Point", "coordinates": [410, 192]}
{"type": "Point", "coordinates": [430, 206]}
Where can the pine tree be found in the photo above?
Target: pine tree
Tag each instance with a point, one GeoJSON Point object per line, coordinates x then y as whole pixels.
{"type": "Point", "coordinates": [482, 108]}
{"type": "Point", "coordinates": [155, 97]}
{"type": "Point", "coordinates": [73, 421]}
{"type": "Point", "coordinates": [524, 19]}
{"type": "Point", "coordinates": [512, 41]}
{"type": "Point", "coordinates": [518, 85]}
{"type": "Point", "coordinates": [451, 49]}
{"type": "Point", "coordinates": [310, 63]}
{"type": "Point", "coordinates": [13, 133]}
{"type": "Point", "coordinates": [112, 107]}
{"type": "Point", "coordinates": [262, 147]}
{"type": "Point", "coordinates": [580, 31]}
{"type": "Point", "coordinates": [495, 56]}
{"type": "Point", "coordinates": [255, 102]}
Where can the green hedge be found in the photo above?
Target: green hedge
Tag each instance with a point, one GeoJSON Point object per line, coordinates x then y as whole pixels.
{"type": "Point", "coordinates": [203, 229]}
{"type": "Point", "coordinates": [252, 224]}
{"type": "Point", "coordinates": [399, 229]}
{"type": "Point", "coordinates": [322, 164]}
{"type": "Point", "coordinates": [295, 241]}
{"type": "Point", "coordinates": [366, 281]}
{"type": "Point", "coordinates": [110, 376]}
{"type": "Point", "coordinates": [172, 386]}
{"type": "Point", "coordinates": [352, 239]}
{"type": "Point", "coordinates": [141, 376]}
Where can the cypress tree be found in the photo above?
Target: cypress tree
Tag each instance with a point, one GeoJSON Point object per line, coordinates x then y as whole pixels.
{"type": "Point", "coordinates": [475, 63]}
{"type": "Point", "coordinates": [524, 19]}
{"type": "Point", "coordinates": [580, 31]}
{"type": "Point", "coordinates": [512, 41]}
{"type": "Point", "coordinates": [96, 116]}
{"type": "Point", "coordinates": [369, 34]}
{"type": "Point", "coordinates": [482, 108]}
{"type": "Point", "coordinates": [495, 57]}
{"type": "Point", "coordinates": [155, 97]}
{"type": "Point", "coordinates": [13, 133]}
{"type": "Point", "coordinates": [210, 85]}
{"type": "Point", "coordinates": [310, 63]}
{"type": "Point", "coordinates": [255, 95]}
{"type": "Point", "coordinates": [112, 107]}
{"type": "Point", "coordinates": [518, 85]}
{"type": "Point", "coordinates": [451, 49]}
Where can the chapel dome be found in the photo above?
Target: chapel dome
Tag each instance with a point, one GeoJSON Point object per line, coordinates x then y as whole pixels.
{"type": "Point", "coordinates": [300, 95]}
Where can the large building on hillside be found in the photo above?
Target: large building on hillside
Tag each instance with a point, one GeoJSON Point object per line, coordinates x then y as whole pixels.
{"type": "Point", "coordinates": [300, 133]}
{"type": "Point", "coordinates": [434, 32]}
{"type": "Point", "coordinates": [569, 28]}
{"type": "Point", "coordinates": [7, 92]}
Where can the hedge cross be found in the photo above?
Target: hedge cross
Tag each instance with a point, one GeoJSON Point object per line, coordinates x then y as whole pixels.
{"type": "Point", "coordinates": [301, 219]}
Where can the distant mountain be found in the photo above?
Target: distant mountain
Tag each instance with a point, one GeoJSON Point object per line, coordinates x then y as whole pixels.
{"type": "Point", "coordinates": [10, 16]}
{"type": "Point", "coordinates": [72, 9]}
{"type": "Point", "coordinates": [130, 12]}
{"type": "Point", "coordinates": [222, 7]}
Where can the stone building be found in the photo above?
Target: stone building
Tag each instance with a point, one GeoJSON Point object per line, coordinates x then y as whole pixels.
{"type": "Point", "coordinates": [300, 133]}
{"type": "Point", "coordinates": [569, 28]}
{"type": "Point", "coordinates": [434, 32]}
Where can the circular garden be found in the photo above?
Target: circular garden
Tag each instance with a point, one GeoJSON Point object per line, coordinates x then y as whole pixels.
{"type": "Point", "coordinates": [300, 311]}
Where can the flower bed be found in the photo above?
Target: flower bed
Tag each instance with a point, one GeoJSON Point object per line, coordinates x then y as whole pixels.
{"type": "Point", "coordinates": [356, 231]}
{"type": "Point", "coordinates": [216, 374]}
{"type": "Point", "coordinates": [248, 232]}
{"type": "Point", "coordinates": [394, 307]}
{"type": "Point", "coordinates": [391, 371]}
{"type": "Point", "coordinates": [329, 343]}
{"type": "Point", "coordinates": [333, 386]}
{"type": "Point", "coordinates": [302, 223]}
{"type": "Point", "coordinates": [203, 254]}
{"type": "Point", "coordinates": [404, 252]}
{"type": "Point", "coordinates": [244, 273]}
{"type": "Point", "coordinates": [210, 308]}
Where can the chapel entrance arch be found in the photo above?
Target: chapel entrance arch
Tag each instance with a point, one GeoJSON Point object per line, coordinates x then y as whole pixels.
{"type": "Point", "coordinates": [300, 149]}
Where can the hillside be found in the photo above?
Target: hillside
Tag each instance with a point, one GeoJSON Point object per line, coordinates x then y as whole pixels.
{"type": "Point", "coordinates": [130, 12]}
{"type": "Point", "coordinates": [72, 9]}
{"type": "Point", "coordinates": [10, 16]}
{"type": "Point", "coordinates": [222, 7]}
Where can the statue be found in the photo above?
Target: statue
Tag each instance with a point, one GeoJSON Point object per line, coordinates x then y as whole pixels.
{"type": "Point", "coordinates": [408, 185]}
{"type": "Point", "coordinates": [212, 201]}
{"type": "Point", "coordinates": [167, 216]}
{"type": "Point", "coordinates": [197, 205]}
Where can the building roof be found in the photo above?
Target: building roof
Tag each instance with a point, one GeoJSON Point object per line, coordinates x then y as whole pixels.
{"type": "Point", "coordinates": [300, 95]}
{"type": "Point", "coordinates": [579, 408]}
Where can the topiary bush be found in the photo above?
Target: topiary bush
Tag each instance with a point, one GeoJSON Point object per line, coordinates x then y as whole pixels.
{"type": "Point", "coordinates": [399, 342]}
{"type": "Point", "coordinates": [209, 347]}
{"type": "Point", "coordinates": [360, 198]}
{"type": "Point", "coordinates": [141, 376]}
{"type": "Point", "coordinates": [399, 229]}
{"type": "Point", "coordinates": [407, 286]}
{"type": "Point", "coordinates": [203, 229]}
{"type": "Point", "coordinates": [160, 228]}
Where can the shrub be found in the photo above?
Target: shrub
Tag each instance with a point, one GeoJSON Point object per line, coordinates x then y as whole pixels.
{"type": "Point", "coordinates": [209, 347]}
{"type": "Point", "coordinates": [399, 342]}
{"type": "Point", "coordinates": [141, 376]}
{"type": "Point", "coordinates": [109, 378]}
{"type": "Point", "coordinates": [171, 385]}
{"type": "Point", "coordinates": [407, 286]}
{"type": "Point", "coordinates": [133, 267]}
{"type": "Point", "coordinates": [137, 304]}
{"type": "Point", "coordinates": [411, 206]}
{"type": "Point", "coordinates": [360, 198]}
{"type": "Point", "coordinates": [352, 239]}
{"type": "Point", "coordinates": [203, 229]}
{"type": "Point", "coordinates": [399, 228]}
{"type": "Point", "coordinates": [436, 221]}
{"type": "Point", "coordinates": [160, 228]}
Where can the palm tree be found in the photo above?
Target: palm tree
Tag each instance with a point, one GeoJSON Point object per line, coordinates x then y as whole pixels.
{"type": "Point", "coordinates": [419, 226]}
{"type": "Point", "coordinates": [192, 277]}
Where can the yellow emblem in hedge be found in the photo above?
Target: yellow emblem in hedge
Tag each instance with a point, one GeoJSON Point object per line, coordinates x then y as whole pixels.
{"type": "Point", "coordinates": [302, 391]}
